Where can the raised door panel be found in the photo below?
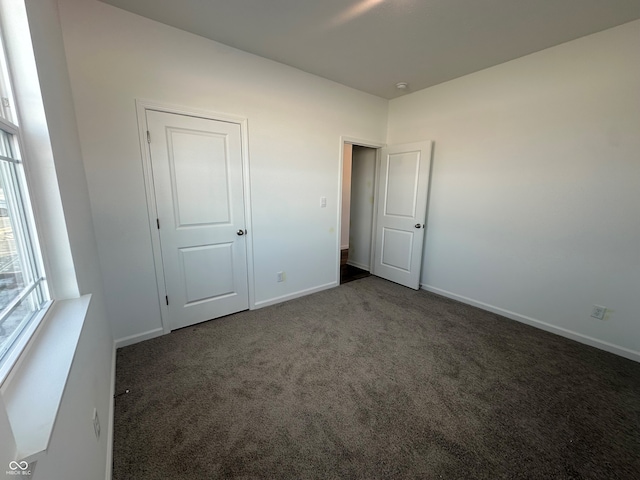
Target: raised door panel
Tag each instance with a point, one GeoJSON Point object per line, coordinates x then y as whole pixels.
{"type": "Point", "coordinates": [200, 173]}
{"type": "Point", "coordinates": [207, 272]}
{"type": "Point", "coordinates": [402, 184]}
{"type": "Point", "coordinates": [397, 246]}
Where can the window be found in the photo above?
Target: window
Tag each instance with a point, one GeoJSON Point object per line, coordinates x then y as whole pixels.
{"type": "Point", "coordinates": [23, 289]}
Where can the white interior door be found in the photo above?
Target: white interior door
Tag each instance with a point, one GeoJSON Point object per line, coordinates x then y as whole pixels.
{"type": "Point", "coordinates": [197, 175]}
{"type": "Point", "coordinates": [402, 208]}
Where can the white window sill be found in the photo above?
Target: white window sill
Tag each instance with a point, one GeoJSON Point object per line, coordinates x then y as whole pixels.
{"type": "Point", "coordinates": [33, 391]}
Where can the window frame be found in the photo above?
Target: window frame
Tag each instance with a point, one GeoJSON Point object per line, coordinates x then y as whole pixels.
{"type": "Point", "coordinates": [23, 224]}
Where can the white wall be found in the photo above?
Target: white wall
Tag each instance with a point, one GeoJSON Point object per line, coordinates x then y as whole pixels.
{"type": "Point", "coordinates": [362, 178]}
{"type": "Point", "coordinates": [73, 451]}
{"type": "Point", "coordinates": [535, 200]}
{"type": "Point", "coordinates": [295, 123]}
{"type": "Point", "coordinates": [7, 443]}
{"type": "Point", "coordinates": [346, 195]}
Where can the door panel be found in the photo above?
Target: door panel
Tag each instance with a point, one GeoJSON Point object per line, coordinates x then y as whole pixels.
{"type": "Point", "coordinates": [396, 249]}
{"type": "Point", "coordinates": [202, 282]}
{"type": "Point", "coordinates": [402, 184]}
{"type": "Point", "coordinates": [402, 192]}
{"type": "Point", "coordinates": [199, 169]}
{"type": "Point", "coordinates": [197, 173]}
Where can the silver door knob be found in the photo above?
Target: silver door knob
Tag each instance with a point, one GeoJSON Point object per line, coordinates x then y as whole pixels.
{"type": "Point", "coordinates": [418, 225]}
{"type": "Point", "coordinates": [241, 232]}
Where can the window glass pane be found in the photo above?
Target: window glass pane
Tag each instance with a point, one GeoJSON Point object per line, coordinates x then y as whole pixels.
{"type": "Point", "coordinates": [11, 277]}
{"type": "Point", "coordinates": [6, 148]}
{"type": "Point", "coordinates": [12, 325]}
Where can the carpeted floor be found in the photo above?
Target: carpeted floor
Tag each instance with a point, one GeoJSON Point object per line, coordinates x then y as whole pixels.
{"type": "Point", "coordinates": [373, 380]}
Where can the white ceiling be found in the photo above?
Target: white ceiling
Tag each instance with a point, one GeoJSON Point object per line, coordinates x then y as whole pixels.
{"type": "Point", "coordinates": [371, 45]}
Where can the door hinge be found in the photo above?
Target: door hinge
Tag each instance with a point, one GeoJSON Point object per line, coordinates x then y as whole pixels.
{"type": "Point", "coordinates": [167, 299]}
{"type": "Point", "coordinates": [158, 223]}
{"type": "Point", "coordinates": [148, 137]}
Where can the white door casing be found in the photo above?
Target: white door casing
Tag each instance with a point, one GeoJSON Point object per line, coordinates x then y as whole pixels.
{"type": "Point", "coordinates": [197, 176]}
{"type": "Point", "coordinates": [401, 215]}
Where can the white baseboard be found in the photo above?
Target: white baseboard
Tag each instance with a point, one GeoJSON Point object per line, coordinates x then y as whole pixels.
{"type": "Point", "coordinates": [138, 337]}
{"type": "Point", "coordinates": [291, 296]}
{"type": "Point", "coordinates": [112, 392]}
{"type": "Point", "coordinates": [344, 247]}
{"type": "Point", "coordinates": [359, 265]}
{"type": "Point", "coordinates": [578, 337]}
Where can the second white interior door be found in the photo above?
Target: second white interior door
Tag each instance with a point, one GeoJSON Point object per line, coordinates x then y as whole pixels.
{"type": "Point", "coordinates": [402, 209]}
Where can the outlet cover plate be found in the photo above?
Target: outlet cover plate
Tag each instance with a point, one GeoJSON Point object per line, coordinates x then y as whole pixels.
{"type": "Point", "coordinates": [598, 312]}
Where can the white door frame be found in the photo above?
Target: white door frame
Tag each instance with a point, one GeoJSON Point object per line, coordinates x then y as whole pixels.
{"type": "Point", "coordinates": [361, 143]}
{"type": "Point", "coordinates": [141, 107]}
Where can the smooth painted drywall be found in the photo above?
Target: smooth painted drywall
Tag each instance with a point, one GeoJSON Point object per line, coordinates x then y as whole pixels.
{"type": "Point", "coordinates": [7, 443]}
{"type": "Point", "coordinates": [346, 195]}
{"type": "Point", "coordinates": [295, 123]}
{"type": "Point", "coordinates": [535, 194]}
{"type": "Point", "coordinates": [362, 188]}
{"type": "Point", "coordinates": [40, 168]}
{"type": "Point", "coordinates": [73, 451]}
{"type": "Point", "coordinates": [63, 133]}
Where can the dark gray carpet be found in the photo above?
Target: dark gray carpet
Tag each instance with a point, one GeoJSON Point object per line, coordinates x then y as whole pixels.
{"type": "Point", "coordinates": [373, 380]}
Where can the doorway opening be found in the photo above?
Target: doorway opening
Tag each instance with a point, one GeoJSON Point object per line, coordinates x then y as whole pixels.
{"type": "Point", "coordinates": [358, 205]}
{"type": "Point", "coordinates": [385, 191]}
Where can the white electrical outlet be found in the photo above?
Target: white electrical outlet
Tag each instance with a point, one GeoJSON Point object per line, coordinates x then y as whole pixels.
{"type": "Point", "coordinates": [598, 312]}
{"type": "Point", "coordinates": [281, 276]}
{"type": "Point", "coordinates": [323, 202]}
{"type": "Point", "coordinates": [96, 423]}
